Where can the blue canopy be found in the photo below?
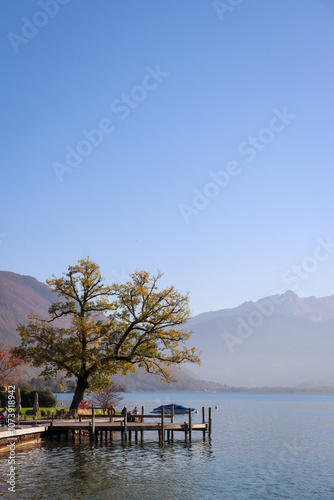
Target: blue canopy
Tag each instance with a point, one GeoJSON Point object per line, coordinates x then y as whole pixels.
{"type": "Point", "coordinates": [168, 409]}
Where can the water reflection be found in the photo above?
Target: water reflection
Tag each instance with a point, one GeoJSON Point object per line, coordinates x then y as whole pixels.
{"type": "Point", "coordinates": [260, 448]}
{"type": "Point", "coordinates": [110, 470]}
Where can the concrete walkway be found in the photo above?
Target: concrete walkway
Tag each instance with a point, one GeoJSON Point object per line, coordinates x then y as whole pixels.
{"type": "Point", "coordinates": [6, 433]}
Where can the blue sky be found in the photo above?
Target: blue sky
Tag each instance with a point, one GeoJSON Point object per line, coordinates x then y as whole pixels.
{"type": "Point", "coordinates": [214, 156]}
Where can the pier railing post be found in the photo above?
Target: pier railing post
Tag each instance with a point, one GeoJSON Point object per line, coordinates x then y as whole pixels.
{"type": "Point", "coordinates": [210, 421]}
{"type": "Point", "coordinates": [190, 425]}
{"type": "Point", "coordinates": [162, 431]}
{"type": "Point", "coordinates": [203, 421]}
{"type": "Point", "coordinates": [125, 423]}
{"type": "Point", "coordinates": [142, 420]}
{"type": "Point", "coordinates": [172, 422]}
{"type": "Point", "coordinates": [93, 421]}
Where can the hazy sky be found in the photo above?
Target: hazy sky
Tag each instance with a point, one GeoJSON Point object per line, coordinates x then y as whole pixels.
{"type": "Point", "coordinates": [190, 136]}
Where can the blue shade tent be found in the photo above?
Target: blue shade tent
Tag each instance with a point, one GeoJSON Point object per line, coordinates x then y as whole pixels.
{"type": "Point", "coordinates": [178, 409]}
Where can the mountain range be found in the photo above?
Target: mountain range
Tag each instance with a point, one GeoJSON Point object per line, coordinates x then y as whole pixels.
{"type": "Point", "coordinates": [283, 340]}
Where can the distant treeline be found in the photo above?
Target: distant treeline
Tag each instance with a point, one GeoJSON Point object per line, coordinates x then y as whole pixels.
{"type": "Point", "coordinates": [135, 383]}
{"type": "Point", "coordinates": [279, 390]}
{"type": "Point", "coordinates": [60, 384]}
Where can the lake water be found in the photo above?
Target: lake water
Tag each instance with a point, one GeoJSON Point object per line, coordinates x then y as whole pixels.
{"type": "Point", "coordinates": [263, 446]}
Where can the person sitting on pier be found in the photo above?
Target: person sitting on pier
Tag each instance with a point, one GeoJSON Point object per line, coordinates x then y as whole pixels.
{"type": "Point", "coordinates": [135, 411]}
{"type": "Point", "coordinates": [4, 416]}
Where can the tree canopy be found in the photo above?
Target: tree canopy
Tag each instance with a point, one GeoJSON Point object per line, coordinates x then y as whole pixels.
{"type": "Point", "coordinates": [96, 331]}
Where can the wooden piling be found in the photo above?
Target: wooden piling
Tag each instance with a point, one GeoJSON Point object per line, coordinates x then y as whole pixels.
{"type": "Point", "coordinates": [210, 421]}
{"type": "Point", "coordinates": [162, 433]}
{"type": "Point", "coordinates": [125, 424]}
{"type": "Point", "coordinates": [142, 420]}
{"type": "Point", "coordinates": [203, 421]}
{"type": "Point", "coordinates": [93, 420]}
{"type": "Point", "coordinates": [172, 422]}
{"type": "Point", "coordinates": [190, 425]}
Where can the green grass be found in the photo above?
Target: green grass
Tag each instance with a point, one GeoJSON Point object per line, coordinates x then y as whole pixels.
{"type": "Point", "coordinates": [54, 409]}
{"type": "Point", "coordinates": [23, 410]}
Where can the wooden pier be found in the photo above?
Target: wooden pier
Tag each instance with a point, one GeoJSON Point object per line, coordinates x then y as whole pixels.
{"type": "Point", "coordinates": [103, 429]}
{"type": "Point", "coordinates": [130, 426]}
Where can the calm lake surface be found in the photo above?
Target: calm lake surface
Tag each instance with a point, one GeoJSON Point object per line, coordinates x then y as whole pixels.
{"type": "Point", "coordinates": [264, 446]}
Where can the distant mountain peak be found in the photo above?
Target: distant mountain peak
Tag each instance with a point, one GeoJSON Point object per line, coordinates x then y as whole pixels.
{"type": "Point", "coordinates": [290, 294]}
{"type": "Point", "coordinates": [278, 340]}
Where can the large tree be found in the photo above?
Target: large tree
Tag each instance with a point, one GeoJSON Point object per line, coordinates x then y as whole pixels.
{"type": "Point", "coordinates": [96, 330]}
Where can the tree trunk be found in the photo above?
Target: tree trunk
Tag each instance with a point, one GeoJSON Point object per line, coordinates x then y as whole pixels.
{"type": "Point", "coordinates": [82, 385]}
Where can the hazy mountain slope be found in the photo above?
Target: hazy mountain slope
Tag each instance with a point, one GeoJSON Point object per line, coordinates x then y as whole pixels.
{"type": "Point", "coordinates": [284, 344]}
{"type": "Point", "coordinates": [323, 382]}
{"type": "Point", "coordinates": [186, 381]}
{"type": "Point", "coordinates": [19, 296]}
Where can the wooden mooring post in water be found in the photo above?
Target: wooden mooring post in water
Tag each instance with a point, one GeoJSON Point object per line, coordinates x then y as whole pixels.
{"type": "Point", "coordinates": [142, 421]}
